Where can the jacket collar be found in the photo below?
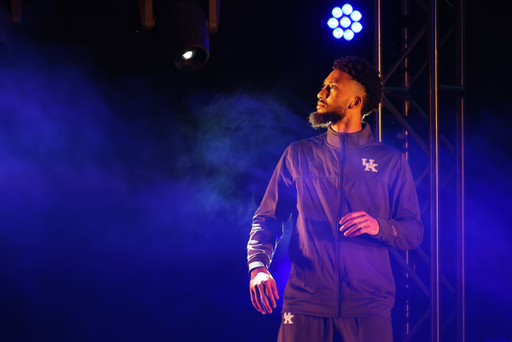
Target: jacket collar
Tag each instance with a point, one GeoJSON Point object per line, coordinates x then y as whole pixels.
{"type": "Point", "coordinates": [350, 140]}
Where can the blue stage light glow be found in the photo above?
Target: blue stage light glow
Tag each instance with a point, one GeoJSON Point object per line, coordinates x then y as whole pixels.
{"type": "Point", "coordinates": [337, 12]}
{"type": "Point", "coordinates": [356, 27]}
{"type": "Point", "coordinates": [348, 34]}
{"type": "Point", "coordinates": [345, 22]}
{"type": "Point", "coordinates": [347, 9]}
{"type": "Point", "coordinates": [333, 23]}
{"type": "Point", "coordinates": [356, 16]}
{"type": "Point", "coordinates": [337, 33]}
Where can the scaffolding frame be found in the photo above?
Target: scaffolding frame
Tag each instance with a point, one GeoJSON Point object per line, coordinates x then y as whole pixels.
{"type": "Point", "coordinates": [432, 150]}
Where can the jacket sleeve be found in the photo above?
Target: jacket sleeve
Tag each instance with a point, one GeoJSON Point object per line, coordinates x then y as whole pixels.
{"type": "Point", "coordinates": [275, 210]}
{"type": "Point", "coordinates": [403, 230]}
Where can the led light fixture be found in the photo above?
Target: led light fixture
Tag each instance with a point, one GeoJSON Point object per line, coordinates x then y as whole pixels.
{"type": "Point", "coordinates": [181, 30]}
{"type": "Point", "coordinates": [345, 22]}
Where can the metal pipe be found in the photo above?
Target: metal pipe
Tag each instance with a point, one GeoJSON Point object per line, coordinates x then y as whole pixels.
{"type": "Point", "coordinates": [434, 175]}
{"type": "Point", "coordinates": [425, 64]}
{"type": "Point", "coordinates": [378, 67]}
{"type": "Point", "coordinates": [406, 104]}
{"type": "Point", "coordinates": [461, 310]}
{"type": "Point", "coordinates": [441, 136]}
{"type": "Point", "coordinates": [405, 53]}
{"type": "Point", "coordinates": [425, 258]}
{"type": "Point", "coordinates": [404, 123]}
{"type": "Point", "coordinates": [414, 276]}
{"type": "Point", "coordinates": [417, 326]}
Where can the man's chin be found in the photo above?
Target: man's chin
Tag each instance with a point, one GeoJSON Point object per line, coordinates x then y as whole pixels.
{"type": "Point", "coordinates": [323, 119]}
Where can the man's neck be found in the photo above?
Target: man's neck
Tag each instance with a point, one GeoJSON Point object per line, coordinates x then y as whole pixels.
{"type": "Point", "coordinates": [348, 125]}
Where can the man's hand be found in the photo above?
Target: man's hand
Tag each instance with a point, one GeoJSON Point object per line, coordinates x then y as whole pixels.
{"type": "Point", "coordinates": [263, 288]}
{"type": "Point", "coordinates": [358, 223]}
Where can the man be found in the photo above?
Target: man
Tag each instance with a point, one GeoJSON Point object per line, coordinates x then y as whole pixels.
{"type": "Point", "coordinates": [350, 197]}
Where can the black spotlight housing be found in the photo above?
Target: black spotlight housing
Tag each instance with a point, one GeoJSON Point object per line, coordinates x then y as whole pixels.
{"type": "Point", "coordinates": [181, 33]}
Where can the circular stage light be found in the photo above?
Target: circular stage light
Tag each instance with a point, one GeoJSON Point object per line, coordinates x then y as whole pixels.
{"type": "Point", "coordinates": [356, 16]}
{"type": "Point", "coordinates": [356, 27]}
{"type": "Point", "coordinates": [347, 9]}
{"type": "Point", "coordinates": [348, 34]}
{"type": "Point", "coordinates": [345, 22]}
{"type": "Point", "coordinates": [333, 23]}
{"type": "Point", "coordinates": [337, 12]}
{"type": "Point", "coordinates": [337, 33]}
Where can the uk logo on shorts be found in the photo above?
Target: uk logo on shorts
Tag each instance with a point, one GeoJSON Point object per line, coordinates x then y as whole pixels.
{"type": "Point", "coordinates": [287, 316]}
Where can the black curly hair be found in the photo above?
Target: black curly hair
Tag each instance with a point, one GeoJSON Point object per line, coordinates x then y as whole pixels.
{"type": "Point", "coordinates": [365, 74]}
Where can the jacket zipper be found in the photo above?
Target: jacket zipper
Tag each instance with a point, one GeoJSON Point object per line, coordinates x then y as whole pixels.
{"type": "Point", "coordinates": [338, 237]}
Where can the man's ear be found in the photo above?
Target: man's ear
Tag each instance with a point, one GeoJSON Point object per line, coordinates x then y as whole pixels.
{"type": "Point", "coordinates": [357, 101]}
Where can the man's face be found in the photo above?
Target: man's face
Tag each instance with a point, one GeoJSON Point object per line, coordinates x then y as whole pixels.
{"type": "Point", "coordinates": [333, 100]}
{"type": "Point", "coordinates": [335, 94]}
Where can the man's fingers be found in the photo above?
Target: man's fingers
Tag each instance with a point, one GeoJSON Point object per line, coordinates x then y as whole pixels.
{"type": "Point", "coordinates": [256, 298]}
{"type": "Point", "coordinates": [357, 227]}
{"type": "Point", "coordinates": [256, 301]}
{"type": "Point", "coordinates": [274, 289]}
{"type": "Point", "coordinates": [259, 296]}
{"type": "Point", "coordinates": [270, 293]}
{"type": "Point", "coordinates": [345, 218]}
{"type": "Point", "coordinates": [354, 224]}
{"type": "Point", "coordinates": [263, 292]}
{"type": "Point", "coordinates": [358, 232]}
{"type": "Point", "coordinates": [351, 215]}
{"type": "Point", "coordinates": [357, 223]}
{"type": "Point", "coordinates": [351, 221]}
{"type": "Point", "coordinates": [347, 225]}
{"type": "Point", "coordinates": [351, 231]}
{"type": "Point", "coordinates": [264, 298]}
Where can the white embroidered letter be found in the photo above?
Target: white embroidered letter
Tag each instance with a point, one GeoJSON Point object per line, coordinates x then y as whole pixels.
{"type": "Point", "coordinates": [369, 166]}
{"type": "Point", "coordinates": [287, 318]}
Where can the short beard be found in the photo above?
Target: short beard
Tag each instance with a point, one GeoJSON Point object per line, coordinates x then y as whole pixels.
{"type": "Point", "coordinates": [324, 120]}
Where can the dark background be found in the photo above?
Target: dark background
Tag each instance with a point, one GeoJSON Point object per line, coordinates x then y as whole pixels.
{"type": "Point", "coordinates": [127, 188]}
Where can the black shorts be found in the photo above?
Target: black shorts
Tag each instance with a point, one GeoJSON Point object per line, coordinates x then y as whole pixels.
{"type": "Point", "coordinates": [304, 328]}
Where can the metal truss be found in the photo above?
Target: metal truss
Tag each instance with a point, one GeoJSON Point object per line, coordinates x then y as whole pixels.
{"type": "Point", "coordinates": [433, 283]}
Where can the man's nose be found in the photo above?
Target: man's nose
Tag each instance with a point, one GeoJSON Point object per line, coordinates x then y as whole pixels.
{"type": "Point", "coordinates": [320, 94]}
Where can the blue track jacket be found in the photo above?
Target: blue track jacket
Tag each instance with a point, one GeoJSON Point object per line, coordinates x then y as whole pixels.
{"type": "Point", "coordinates": [317, 182]}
